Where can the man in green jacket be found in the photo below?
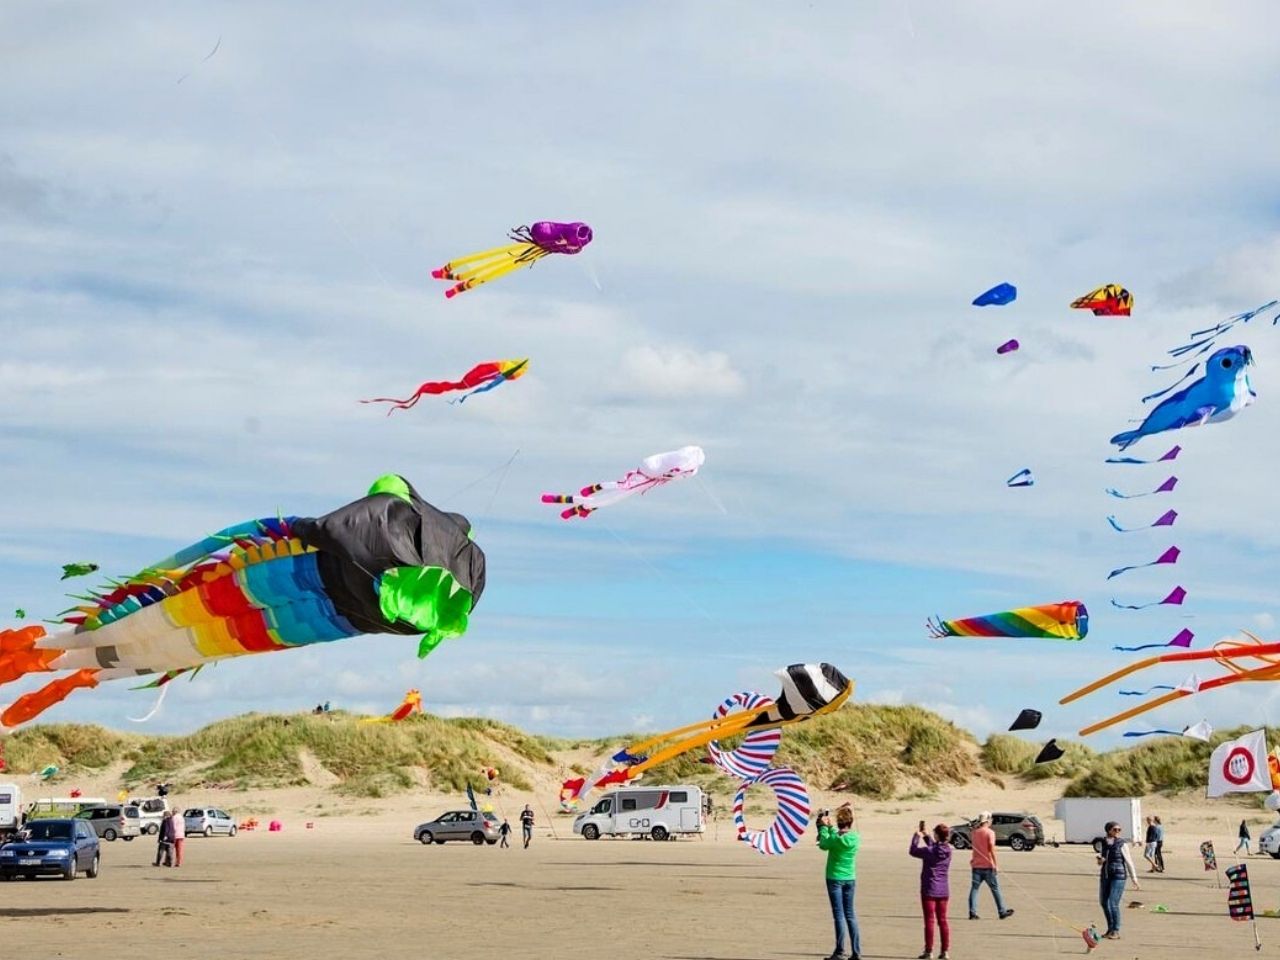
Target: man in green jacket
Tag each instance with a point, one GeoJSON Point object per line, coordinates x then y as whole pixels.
{"type": "Point", "coordinates": [841, 843]}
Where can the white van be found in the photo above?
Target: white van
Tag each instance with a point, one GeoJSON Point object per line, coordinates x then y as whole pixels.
{"type": "Point", "coordinates": [10, 809]}
{"type": "Point", "coordinates": [660, 812]}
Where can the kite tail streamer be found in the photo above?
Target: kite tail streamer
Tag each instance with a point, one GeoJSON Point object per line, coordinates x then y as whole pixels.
{"type": "Point", "coordinates": [1166, 487]}
{"type": "Point", "coordinates": [1161, 393]}
{"type": "Point", "coordinates": [1175, 598]}
{"type": "Point", "coordinates": [1143, 693]}
{"type": "Point", "coordinates": [1168, 557]}
{"type": "Point", "coordinates": [1183, 639]}
{"type": "Point", "coordinates": [164, 691]}
{"type": "Point", "coordinates": [1152, 733]}
{"type": "Point", "coordinates": [1171, 454]}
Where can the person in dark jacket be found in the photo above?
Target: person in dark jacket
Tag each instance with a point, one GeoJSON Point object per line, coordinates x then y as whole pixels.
{"type": "Point", "coordinates": [935, 891]}
{"type": "Point", "coordinates": [1159, 844]}
{"type": "Point", "coordinates": [1244, 838]}
{"type": "Point", "coordinates": [164, 842]}
{"type": "Point", "coordinates": [1115, 867]}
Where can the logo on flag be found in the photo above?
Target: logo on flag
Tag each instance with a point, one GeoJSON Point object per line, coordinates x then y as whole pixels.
{"type": "Point", "coordinates": [1240, 766]}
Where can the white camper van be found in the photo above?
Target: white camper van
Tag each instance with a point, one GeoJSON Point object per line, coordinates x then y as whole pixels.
{"type": "Point", "coordinates": [660, 812]}
{"type": "Point", "coordinates": [10, 809]}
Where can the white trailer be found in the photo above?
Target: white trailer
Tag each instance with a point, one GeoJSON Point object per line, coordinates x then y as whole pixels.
{"type": "Point", "coordinates": [10, 809]}
{"type": "Point", "coordinates": [660, 812]}
{"type": "Point", "coordinates": [1084, 818]}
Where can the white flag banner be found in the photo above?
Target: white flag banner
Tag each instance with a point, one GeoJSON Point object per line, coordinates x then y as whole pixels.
{"type": "Point", "coordinates": [1240, 766]}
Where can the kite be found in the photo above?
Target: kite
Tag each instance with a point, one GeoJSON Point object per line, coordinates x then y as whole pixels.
{"type": "Point", "coordinates": [1068, 620]}
{"type": "Point", "coordinates": [1240, 899]}
{"type": "Point", "coordinates": [1208, 856]}
{"type": "Point", "coordinates": [48, 773]}
{"type": "Point", "coordinates": [1261, 661]}
{"type": "Point", "coordinates": [1028, 719]}
{"type": "Point", "coordinates": [1023, 478]}
{"type": "Point", "coordinates": [1219, 395]}
{"type": "Point", "coordinates": [654, 471]}
{"type": "Point", "coordinates": [20, 614]}
{"type": "Point", "coordinates": [752, 757]}
{"type": "Point", "coordinates": [1166, 487]}
{"type": "Point", "coordinates": [1202, 341]}
{"type": "Point", "coordinates": [412, 703]}
{"type": "Point", "coordinates": [1111, 300]}
{"type": "Point", "coordinates": [387, 563]}
{"type": "Point", "coordinates": [1199, 731]}
{"type": "Point", "coordinates": [1168, 557]}
{"type": "Point", "coordinates": [569, 791]}
{"type": "Point", "coordinates": [532, 244]}
{"type": "Point", "coordinates": [1007, 347]}
{"type": "Point", "coordinates": [1183, 639]}
{"type": "Point", "coordinates": [1174, 599]}
{"type": "Point", "coordinates": [481, 378]}
{"type": "Point", "coordinates": [1166, 519]}
{"type": "Point", "coordinates": [1050, 752]}
{"type": "Point", "coordinates": [808, 690]}
{"type": "Point", "coordinates": [1170, 454]}
{"type": "Point", "coordinates": [789, 822]}
{"type": "Point", "coordinates": [998, 296]}
{"type": "Point", "coordinates": [1191, 685]}
{"type": "Point", "coordinates": [70, 570]}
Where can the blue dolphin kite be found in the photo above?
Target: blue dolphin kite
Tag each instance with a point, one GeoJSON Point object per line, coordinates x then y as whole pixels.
{"type": "Point", "coordinates": [997, 296]}
{"type": "Point", "coordinates": [1219, 395]}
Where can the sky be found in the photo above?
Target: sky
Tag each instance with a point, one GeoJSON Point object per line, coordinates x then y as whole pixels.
{"type": "Point", "coordinates": [206, 260]}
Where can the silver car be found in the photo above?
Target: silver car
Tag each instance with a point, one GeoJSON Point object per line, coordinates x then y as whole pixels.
{"type": "Point", "coordinates": [459, 825]}
{"type": "Point", "coordinates": [113, 821]}
{"type": "Point", "coordinates": [207, 821]}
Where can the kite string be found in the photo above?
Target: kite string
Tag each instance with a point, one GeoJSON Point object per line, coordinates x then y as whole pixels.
{"type": "Point", "coordinates": [693, 602]}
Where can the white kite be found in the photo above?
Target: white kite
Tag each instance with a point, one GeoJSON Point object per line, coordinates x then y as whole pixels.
{"type": "Point", "coordinates": [653, 472]}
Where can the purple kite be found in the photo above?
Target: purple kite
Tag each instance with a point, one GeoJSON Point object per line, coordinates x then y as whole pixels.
{"type": "Point", "coordinates": [1174, 599]}
{"type": "Point", "coordinates": [1165, 487]}
{"type": "Point", "coordinates": [1007, 347]}
{"type": "Point", "coordinates": [1165, 519]}
{"type": "Point", "coordinates": [1171, 454]}
{"type": "Point", "coordinates": [1183, 639]}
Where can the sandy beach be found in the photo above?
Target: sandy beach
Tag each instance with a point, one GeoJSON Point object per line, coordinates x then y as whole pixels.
{"type": "Point", "coordinates": [357, 885]}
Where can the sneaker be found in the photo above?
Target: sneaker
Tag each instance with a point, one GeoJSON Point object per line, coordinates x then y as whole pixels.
{"type": "Point", "coordinates": [1113, 935]}
{"type": "Point", "coordinates": [1007, 914]}
{"type": "Point", "coordinates": [836, 955]}
{"type": "Point", "coordinates": [974, 916]}
{"type": "Point", "coordinates": [925, 956]}
{"type": "Point", "coordinates": [944, 956]}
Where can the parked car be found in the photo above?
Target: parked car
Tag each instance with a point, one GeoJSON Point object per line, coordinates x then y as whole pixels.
{"type": "Point", "coordinates": [110, 822]}
{"type": "Point", "coordinates": [459, 825]}
{"type": "Point", "coordinates": [59, 847]}
{"type": "Point", "coordinates": [1019, 831]}
{"type": "Point", "coordinates": [1269, 842]}
{"type": "Point", "coordinates": [206, 821]}
{"type": "Point", "coordinates": [151, 810]}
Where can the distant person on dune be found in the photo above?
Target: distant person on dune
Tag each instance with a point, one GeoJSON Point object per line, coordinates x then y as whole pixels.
{"type": "Point", "coordinates": [526, 824]}
{"type": "Point", "coordinates": [984, 867]}
{"type": "Point", "coordinates": [935, 889]}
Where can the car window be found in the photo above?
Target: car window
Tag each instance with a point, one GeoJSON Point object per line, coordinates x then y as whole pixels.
{"type": "Point", "coordinates": [192, 813]}
{"type": "Point", "coordinates": [628, 803]}
{"type": "Point", "coordinates": [131, 812]}
{"type": "Point", "coordinates": [84, 831]}
{"type": "Point", "coordinates": [49, 830]}
{"type": "Point", "coordinates": [491, 816]}
{"type": "Point", "coordinates": [222, 814]}
{"type": "Point", "coordinates": [446, 818]}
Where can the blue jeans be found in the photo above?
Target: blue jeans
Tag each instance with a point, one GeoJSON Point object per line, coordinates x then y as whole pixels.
{"type": "Point", "coordinates": [840, 892]}
{"type": "Point", "coordinates": [988, 876]}
{"type": "Point", "coordinates": [1110, 892]}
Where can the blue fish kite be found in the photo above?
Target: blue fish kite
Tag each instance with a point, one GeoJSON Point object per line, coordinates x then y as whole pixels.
{"type": "Point", "coordinates": [997, 296]}
{"type": "Point", "coordinates": [1219, 395]}
{"type": "Point", "coordinates": [1023, 478]}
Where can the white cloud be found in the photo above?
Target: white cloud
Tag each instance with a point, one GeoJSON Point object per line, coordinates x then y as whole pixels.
{"type": "Point", "coordinates": [680, 373]}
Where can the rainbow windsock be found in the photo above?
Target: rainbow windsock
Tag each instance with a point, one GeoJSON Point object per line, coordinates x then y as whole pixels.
{"type": "Point", "coordinates": [1068, 620]}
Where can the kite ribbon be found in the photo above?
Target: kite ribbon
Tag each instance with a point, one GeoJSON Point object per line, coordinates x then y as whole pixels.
{"type": "Point", "coordinates": [1183, 639]}
{"type": "Point", "coordinates": [1174, 599]}
{"type": "Point", "coordinates": [1166, 519]}
{"type": "Point", "coordinates": [1165, 487]}
{"type": "Point", "coordinates": [1172, 454]}
{"type": "Point", "coordinates": [1169, 556]}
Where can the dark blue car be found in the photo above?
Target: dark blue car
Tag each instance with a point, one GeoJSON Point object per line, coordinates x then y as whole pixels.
{"type": "Point", "coordinates": [51, 847]}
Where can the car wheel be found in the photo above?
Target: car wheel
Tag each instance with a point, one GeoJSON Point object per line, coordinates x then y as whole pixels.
{"type": "Point", "coordinates": [109, 835]}
{"type": "Point", "coordinates": [491, 842]}
{"type": "Point", "coordinates": [425, 836]}
{"type": "Point", "coordinates": [92, 872]}
{"type": "Point", "coordinates": [439, 841]}
{"type": "Point", "coordinates": [659, 832]}
{"type": "Point", "coordinates": [1018, 842]}
{"type": "Point", "coordinates": [208, 831]}
{"type": "Point", "coordinates": [70, 872]}
{"type": "Point", "coordinates": [591, 832]}
{"type": "Point", "coordinates": [232, 831]}
{"type": "Point", "coordinates": [959, 841]}
{"type": "Point", "coordinates": [7, 876]}
{"type": "Point", "coordinates": [477, 838]}
{"type": "Point", "coordinates": [151, 829]}
{"type": "Point", "coordinates": [1276, 855]}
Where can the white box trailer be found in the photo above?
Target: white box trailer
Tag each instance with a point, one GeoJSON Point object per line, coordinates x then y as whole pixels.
{"type": "Point", "coordinates": [1084, 818]}
{"type": "Point", "coordinates": [660, 812]}
{"type": "Point", "coordinates": [10, 809]}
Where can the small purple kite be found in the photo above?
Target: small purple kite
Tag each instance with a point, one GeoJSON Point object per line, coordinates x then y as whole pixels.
{"type": "Point", "coordinates": [1166, 487]}
{"type": "Point", "coordinates": [1166, 519]}
{"type": "Point", "coordinates": [1174, 599]}
{"type": "Point", "coordinates": [1171, 454]}
{"type": "Point", "coordinates": [1007, 347]}
{"type": "Point", "coordinates": [1183, 639]}
{"type": "Point", "coordinates": [1169, 556]}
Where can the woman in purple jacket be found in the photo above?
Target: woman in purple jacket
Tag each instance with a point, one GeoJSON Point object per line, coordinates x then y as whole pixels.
{"type": "Point", "coordinates": [935, 894]}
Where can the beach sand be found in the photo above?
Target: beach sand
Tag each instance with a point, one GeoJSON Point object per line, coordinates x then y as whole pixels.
{"type": "Point", "coordinates": [356, 885]}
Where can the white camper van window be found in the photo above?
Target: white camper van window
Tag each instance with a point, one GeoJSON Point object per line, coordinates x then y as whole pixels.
{"type": "Point", "coordinates": [6, 798]}
{"type": "Point", "coordinates": [628, 803]}
{"type": "Point", "coordinates": [679, 796]}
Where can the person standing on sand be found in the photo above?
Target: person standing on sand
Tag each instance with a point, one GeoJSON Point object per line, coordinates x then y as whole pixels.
{"type": "Point", "coordinates": [526, 824]}
{"type": "Point", "coordinates": [1149, 850]}
{"type": "Point", "coordinates": [504, 831]}
{"type": "Point", "coordinates": [164, 842]}
{"type": "Point", "coordinates": [1116, 866]}
{"type": "Point", "coordinates": [1244, 838]}
{"type": "Point", "coordinates": [841, 843]}
{"type": "Point", "coordinates": [984, 867]}
{"type": "Point", "coordinates": [179, 836]}
{"type": "Point", "coordinates": [1159, 855]}
{"type": "Point", "coordinates": [935, 890]}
